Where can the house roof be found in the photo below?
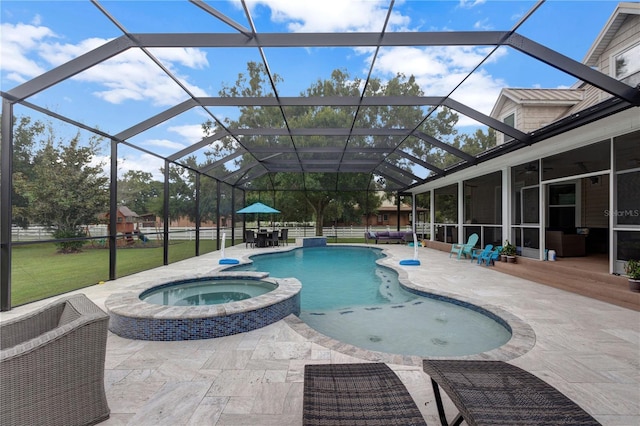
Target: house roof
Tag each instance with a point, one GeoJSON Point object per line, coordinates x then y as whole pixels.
{"type": "Point", "coordinates": [559, 97]}
{"type": "Point", "coordinates": [127, 212]}
{"type": "Point", "coordinates": [403, 208]}
{"type": "Point", "coordinates": [574, 98]}
{"type": "Point", "coordinates": [622, 11]}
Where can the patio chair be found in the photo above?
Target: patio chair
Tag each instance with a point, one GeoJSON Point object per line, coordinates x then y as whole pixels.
{"type": "Point", "coordinates": [477, 254]}
{"type": "Point", "coordinates": [491, 257]}
{"type": "Point", "coordinates": [284, 236]}
{"type": "Point", "coordinates": [497, 393]}
{"type": "Point", "coordinates": [249, 239]}
{"type": "Point", "coordinates": [356, 394]}
{"type": "Point", "coordinates": [465, 249]}
{"type": "Point", "coordinates": [52, 365]}
{"type": "Point", "coordinates": [272, 238]}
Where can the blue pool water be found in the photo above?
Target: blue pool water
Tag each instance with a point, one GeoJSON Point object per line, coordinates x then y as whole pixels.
{"type": "Point", "coordinates": [206, 292]}
{"type": "Point", "coordinates": [347, 296]}
{"type": "Point", "coordinates": [334, 277]}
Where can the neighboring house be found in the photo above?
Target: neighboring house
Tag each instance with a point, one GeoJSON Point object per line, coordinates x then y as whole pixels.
{"type": "Point", "coordinates": [185, 222]}
{"type": "Point", "coordinates": [530, 109]}
{"type": "Point", "coordinates": [616, 52]}
{"type": "Point", "coordinates": [149, 220]}
{"type": "Point", "coordinates": [387, 215]}
{"type": "Point", "coordinates": [576, 193]}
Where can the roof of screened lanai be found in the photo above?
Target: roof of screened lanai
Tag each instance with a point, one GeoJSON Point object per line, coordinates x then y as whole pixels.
{"type": "Point", "coordinates": [389, 153]}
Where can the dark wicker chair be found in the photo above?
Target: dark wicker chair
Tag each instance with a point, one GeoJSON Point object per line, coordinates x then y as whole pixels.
{"type": "Point", "coordinates": [356, 394]}
{"type": "Point", "coordinates": [496, 393]}
{"type": "Point", "coordinates": [52, 365]}
{"type": "Point", "coordinates": [284, 237]}
{"type": "Point", "coordinates": [249, 238]}
{"type": "Point", "coordinates": [272, 238]}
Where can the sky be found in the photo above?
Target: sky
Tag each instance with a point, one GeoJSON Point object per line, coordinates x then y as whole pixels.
{"type": "Point", "coordinates": [37, 36]}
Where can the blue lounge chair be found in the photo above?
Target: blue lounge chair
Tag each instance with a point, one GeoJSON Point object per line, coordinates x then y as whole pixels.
{"type": "Point", "coordinates": [490, 257]}
{"type": "Point", "coordinates": [465, 249]}
{"type": "Point", "coordinates": [477, 254]}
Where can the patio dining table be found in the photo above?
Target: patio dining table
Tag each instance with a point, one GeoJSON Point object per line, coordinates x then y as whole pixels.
{"type": "Point", "coordinates": [264, 238]}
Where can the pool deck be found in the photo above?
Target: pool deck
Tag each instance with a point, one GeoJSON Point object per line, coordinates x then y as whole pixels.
{"type": "Point", "coordinates": [587, 349]}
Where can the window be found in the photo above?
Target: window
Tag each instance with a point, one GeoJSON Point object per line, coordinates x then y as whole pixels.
{"type": "Point", "coordinates": [627, 62]}
{"type": "Point", "coordinates": [510, 120]}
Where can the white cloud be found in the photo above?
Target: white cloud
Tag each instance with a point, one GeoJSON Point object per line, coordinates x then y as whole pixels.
{"type": "Point", "coordinates": [480, 92]}
{"type": "Point", "coordinates": [191, 133]}
{"type": "Point", "coordinates": [30, 50]}
{"type": "Point", "coordinates": [468, 4]}
{"type": "Point", "coordinates": [17, 44]}
{"type": "Point", "coordinates": [438, 70]}
{"type": "Point", "coordinates": [332, 15]}
{"type": "Point", "coordinates": [164, 143]}
{"type": "Point", "coordinates": [145, 162]}
{"type": "Point", "coordinates": [483, 25]}
{"type": "Point", "coordinates": [189, 57]}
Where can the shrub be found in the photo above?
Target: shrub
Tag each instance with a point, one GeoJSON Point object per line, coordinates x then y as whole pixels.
{"type": "Point", "coordinates": [70, 245]}
{"type": "Point", "coordinates": [508, 249]}
{"type": "Point", "coordinates": [632, 268]}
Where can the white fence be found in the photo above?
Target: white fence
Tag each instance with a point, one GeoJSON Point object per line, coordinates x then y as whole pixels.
{"type": "Point", "coordinates": [36, 233]}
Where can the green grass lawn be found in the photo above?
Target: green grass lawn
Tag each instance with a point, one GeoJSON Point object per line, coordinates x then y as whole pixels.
{"type": "Point", "coordinates": [39, 271]}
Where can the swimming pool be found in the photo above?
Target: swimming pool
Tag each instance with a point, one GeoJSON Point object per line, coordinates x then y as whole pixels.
{"type": "Point", "coordinates": [346, 295]}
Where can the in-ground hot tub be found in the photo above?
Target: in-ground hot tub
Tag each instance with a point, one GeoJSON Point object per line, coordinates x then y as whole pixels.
{"type": "Point", "coordinates": [134, 318]}
{"type": "Point", "coordinates": [207, 291]}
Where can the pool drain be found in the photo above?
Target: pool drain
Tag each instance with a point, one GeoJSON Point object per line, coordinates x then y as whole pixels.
{"type": "Point", "coordinates": [375, 338]}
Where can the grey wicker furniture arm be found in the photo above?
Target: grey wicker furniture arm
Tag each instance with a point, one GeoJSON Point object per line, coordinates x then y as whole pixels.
{"type": "Point", "coordinates": [52, 365]}
{"type": "Point", "coordinates": [356, 395]}
{"type": "Point", "coordinates": [496, 393]}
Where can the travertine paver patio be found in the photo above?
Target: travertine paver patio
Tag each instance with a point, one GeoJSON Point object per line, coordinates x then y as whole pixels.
{"type": "Point", "coordinates": [587, 349]}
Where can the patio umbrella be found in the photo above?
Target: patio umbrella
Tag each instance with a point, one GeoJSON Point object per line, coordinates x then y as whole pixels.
{"type": "Point", "coordinates": [258, 208]}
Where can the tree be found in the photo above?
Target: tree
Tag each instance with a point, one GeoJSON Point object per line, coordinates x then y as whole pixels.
{"type": "Point", "coordinates": [67, 192]}
{"type": "Point", "coordinates": [313, 188]}
{"type": "Point", "coordinates": [138, 191]}
{"type": "Point", "coordinates": [25, 137]}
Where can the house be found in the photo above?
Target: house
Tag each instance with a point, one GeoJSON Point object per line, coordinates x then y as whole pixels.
{"type": "Point", "coordinates": [387, 215]}
{"type": "Point", "coordinates": [577, 193]}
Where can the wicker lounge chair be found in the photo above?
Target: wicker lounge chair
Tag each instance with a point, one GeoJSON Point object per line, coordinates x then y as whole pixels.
{"type": "Point", "coordinates": [496, 393]}
{"type": "Point", "coordinates": [52, 365]}
{"type": "Point", "coordinates": [356, 394]}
